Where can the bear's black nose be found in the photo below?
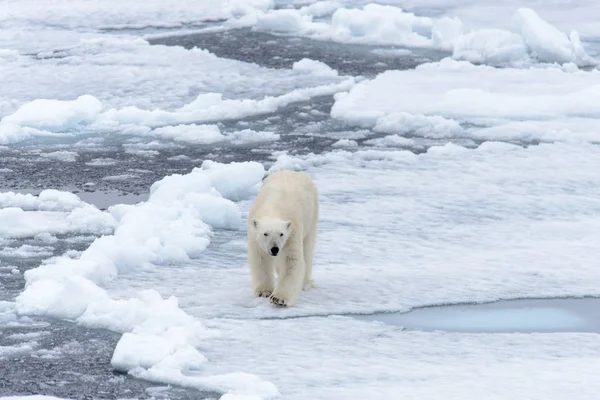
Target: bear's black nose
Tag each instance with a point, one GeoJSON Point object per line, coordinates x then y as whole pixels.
{"type": "Point", "coordinates": [274, 250]}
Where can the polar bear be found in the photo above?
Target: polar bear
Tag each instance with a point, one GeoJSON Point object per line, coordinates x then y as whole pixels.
{"type": "Point", "coordinates": [282, 230]}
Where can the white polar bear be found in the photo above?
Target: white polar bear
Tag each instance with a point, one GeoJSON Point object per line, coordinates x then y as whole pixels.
{"type": "Point", "coordinates": [282, 230]}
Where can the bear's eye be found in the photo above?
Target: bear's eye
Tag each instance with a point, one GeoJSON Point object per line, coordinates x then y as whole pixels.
{"type": "Point", "coordinates": [266, 234]}
{"type": "Point", "coordinates": [281, 234]}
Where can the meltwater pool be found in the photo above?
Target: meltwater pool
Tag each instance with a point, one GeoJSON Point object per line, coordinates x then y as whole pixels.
{"type": "Point", "coordinates": [526, 316]}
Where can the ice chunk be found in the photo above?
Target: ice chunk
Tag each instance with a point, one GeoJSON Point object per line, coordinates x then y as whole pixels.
{"type": "Point", "coordinates": [53, 115]}
{"type": "Point", "coordinates": [493, 47]}
{"type": "Point", "coordinates": [251, 136]}
{"type": "Point", "coordinates": [61, 155]}
{"type": "Point", "coordinates": [307, 65]}
{"type": "Point", "coordinates": [445, 32]}
{"type": "Point", "coordinates": [345, 143]}
{"type": "Point", "coordinates": [47, 200]}
{"type": "Point", "coordinates": [547, 43]}
{"type": "Point", "coordinates": [198, 134]}
{"type": "Point", "coordinates": [282, 21]}
{"type": "Point", "coordinates": [391, 141]}
{"type": "Point", "coordinates": [52, 212]}
{"type": "Point", "coordinates": [380, 24]}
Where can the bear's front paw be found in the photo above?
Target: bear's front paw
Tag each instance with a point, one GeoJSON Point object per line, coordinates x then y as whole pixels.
{"type": "Point", "coordinates": [278, 301]}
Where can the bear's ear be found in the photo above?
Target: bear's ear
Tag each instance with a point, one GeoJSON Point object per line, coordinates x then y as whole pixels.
{"type": "Point", "coordinates": [255, 223]}
{"type": "Point", "coordinates": [288, 225]}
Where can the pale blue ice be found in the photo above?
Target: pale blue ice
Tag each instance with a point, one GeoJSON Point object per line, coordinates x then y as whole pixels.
{"type": "Point", "coordinates": [539, 315]}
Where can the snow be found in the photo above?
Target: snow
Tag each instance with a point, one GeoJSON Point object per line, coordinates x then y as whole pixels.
{"type": "Point", "coordinates": [434, 99]}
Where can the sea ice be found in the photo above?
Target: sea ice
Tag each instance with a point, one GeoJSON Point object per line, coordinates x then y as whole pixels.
{"type": "Point", "coordinates": [434, 99]}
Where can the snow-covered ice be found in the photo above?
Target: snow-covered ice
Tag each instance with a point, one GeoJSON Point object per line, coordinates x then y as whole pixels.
{"type": "Point", "coordinates": [430, 231]}
{"type": "Point", "coordinates": [434, 99]}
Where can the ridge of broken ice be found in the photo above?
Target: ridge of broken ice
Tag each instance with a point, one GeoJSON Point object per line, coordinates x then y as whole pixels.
{"type": "Point", "coordinates": [57, 117]}
{"type": "Point", "coordinates": [172, 227]}
{"type": "Point", "coordinates": [530, 38]}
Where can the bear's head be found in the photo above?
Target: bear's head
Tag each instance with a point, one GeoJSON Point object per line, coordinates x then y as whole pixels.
{"type": "Point", "coordinates": [271, 234]}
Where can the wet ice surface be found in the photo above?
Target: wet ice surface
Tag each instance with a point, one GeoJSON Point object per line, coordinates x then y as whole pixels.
{"type": "Point", "coordinates": [525, 316]}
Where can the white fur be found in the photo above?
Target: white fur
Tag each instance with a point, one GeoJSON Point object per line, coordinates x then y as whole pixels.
{"type": "Point", "coordinates": [284, 215]}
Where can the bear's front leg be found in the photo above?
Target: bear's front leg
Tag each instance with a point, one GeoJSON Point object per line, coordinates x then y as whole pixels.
{"type": "Point", "coordinates": [261, 269]}
{"type": "Point", "coordinates": [289, 281]}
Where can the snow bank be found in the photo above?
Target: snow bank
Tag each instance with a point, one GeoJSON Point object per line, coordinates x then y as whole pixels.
{"type": "Point", "coordinates": [160, 340]}
{"type": "Point", "coordinates": [529, 38]}
{"type": "Point", "coordinates": [434, 99]}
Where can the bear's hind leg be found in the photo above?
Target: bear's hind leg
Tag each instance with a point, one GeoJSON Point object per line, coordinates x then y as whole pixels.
{"type": "Point", "coordinates": [261, 269]}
